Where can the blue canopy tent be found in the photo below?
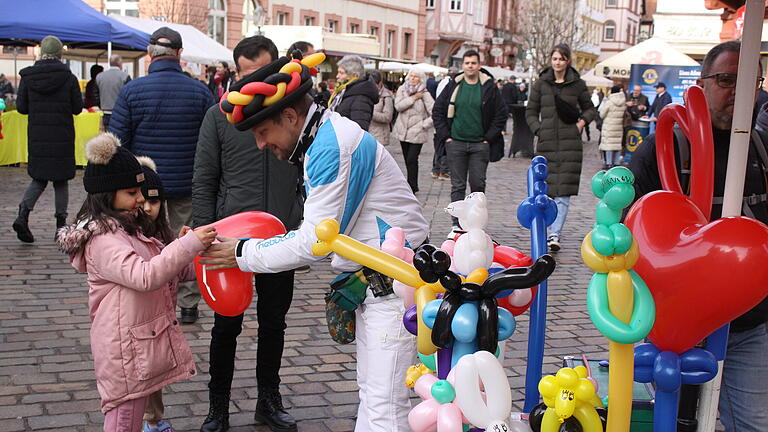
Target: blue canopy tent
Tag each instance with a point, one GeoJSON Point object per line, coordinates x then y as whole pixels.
{"type": "Point", "coordinates": [78, 25]}
{"type": "Point", "coordinates": [88, 34]}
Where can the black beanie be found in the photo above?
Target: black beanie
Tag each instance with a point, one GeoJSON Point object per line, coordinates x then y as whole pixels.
{"type": "Point", "coordinates": [616, 89]}
{"type": "Point", "coordinates": [110, 166]}
{"type": "Point", "coordinates": [152, 188]}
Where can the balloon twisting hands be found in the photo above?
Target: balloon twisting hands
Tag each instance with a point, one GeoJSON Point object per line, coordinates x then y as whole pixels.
{"type": "Point", "coordinates": [619, 302]}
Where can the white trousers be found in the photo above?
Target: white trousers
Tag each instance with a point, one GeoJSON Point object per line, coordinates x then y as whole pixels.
{"type": "Point", "coordinates": [385, 350]}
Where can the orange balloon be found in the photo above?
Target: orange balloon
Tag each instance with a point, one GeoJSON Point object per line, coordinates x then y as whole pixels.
{"type": "Point", "coordinates": [229, 292]}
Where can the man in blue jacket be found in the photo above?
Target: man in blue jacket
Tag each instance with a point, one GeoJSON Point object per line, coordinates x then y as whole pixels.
{"type": "Point", "coordinates": [159, 116]}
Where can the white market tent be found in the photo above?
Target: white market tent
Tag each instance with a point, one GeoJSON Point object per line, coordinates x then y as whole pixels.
{"type": "Point", "coordinates": [198, 47]}
{"type": "Point", "coordinates": [652, 51]}
{"type": "Point", "coordinates": [593, 80]}
{"type": "Point", "coordinates": [499, 73]}
{"type": "Point", "coordinates": [430, 68]}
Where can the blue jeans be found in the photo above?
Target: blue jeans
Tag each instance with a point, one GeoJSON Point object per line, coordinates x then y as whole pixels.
{"type": "Point", "coordinates": [744, 391]}
{"type": "Point", "coordinates": [562, 211]}
{"type": "Point", "coordinates": [612, 157]}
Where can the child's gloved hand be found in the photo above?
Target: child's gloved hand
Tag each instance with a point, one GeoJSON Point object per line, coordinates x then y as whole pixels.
{"type": "Point", "coordinates": [206, 235]}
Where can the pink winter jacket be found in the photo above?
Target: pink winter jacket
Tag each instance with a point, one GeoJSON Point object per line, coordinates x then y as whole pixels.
{"type": "Point", "coordinates": [137, 344]}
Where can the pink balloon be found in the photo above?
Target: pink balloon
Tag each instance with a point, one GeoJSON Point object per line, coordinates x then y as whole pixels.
{"type": "Point", "coordinates": [449, 418]}
{"type": "Point", "coordinates": [423, 386]}
{"type": "Point", "coordinates": [394, 244]}
{"type": "Point", "coordinates": [405, 292]}
{"type": "Point", "coordinates": [520, 298]}
{"type": "Point", "coordinates": [423, 417]}
{"type": "Point", "coordinates": [447, 246]}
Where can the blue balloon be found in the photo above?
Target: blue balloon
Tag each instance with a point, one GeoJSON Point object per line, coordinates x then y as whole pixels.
{"type": "Point", "coordinates": [429, 313]}
{"type": "Point", "coordinates": [507, 324]}
{"type": "Point", "coordinates": [464, 324]}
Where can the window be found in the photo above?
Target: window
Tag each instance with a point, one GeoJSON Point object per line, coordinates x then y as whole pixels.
{"type": "Point", "coordinates": [455, 6]}
{"type": "Point", "coordinates": [390, 41]}
{"type": "Point", "coordinates": [611, 3]}
{"type": "Point", "coordinates": [610, 30]}
{"type": "Point", "coordinates": [629, 33]}
{"type": "Point", "coordinates": [282, 18]}
{"type": "Point", "coordinates": [333, 25]}
{"type": "Point", "coordinates": [132, 13]}
{"type": "Point", "coordinates": [354, 28]}
{"type": "Point", "coordinates": [122, 7]}
{"type": "Point", "coordinates": [406, 43]}
{"type": "Point", "coordinates": [217, 20]}
{"type": "Point", "coordinates": [309, 20]}
{"type": "Point", "coordinates": [374, 31]}
{"type": "Point", "coordinates": [430, 4]}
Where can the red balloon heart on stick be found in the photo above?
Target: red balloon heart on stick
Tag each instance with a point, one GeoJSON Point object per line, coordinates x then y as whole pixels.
{"type": "Point", "coordinates": [230, 291]}
{"type": "Point", "coordinates": [702, 274]}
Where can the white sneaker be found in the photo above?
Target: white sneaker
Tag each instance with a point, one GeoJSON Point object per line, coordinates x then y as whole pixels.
{"type": "Point", "coordinates": [553, 241]}
{"type": "Point", "coordinates": [452, 233]}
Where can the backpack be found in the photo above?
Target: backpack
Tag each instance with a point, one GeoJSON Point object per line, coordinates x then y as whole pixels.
{"type": "Point", "coordinates": [757, 140]}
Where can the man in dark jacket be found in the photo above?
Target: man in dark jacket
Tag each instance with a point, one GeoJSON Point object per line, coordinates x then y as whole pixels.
{"type": "Point", "coordinates": [511, 93]}
{"type": "Point", "coordinates": [50, 94]}
{"type": "Point", "coordinates": [637, 103]}
{"type": "Point", "coordinates": [469, 116]}
{"type": "Point", "coordinates": [661, 100]}
{"type": "Point", "coordinates": [159, 116]}
{"type": "Point", "coordinates": [231, 176]}
{"type": "Point", "coordinates": [356, 93]}
{"type": "Point", "coordinates": [745, 372]}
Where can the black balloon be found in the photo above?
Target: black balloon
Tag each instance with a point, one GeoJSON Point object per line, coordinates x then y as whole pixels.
{"type": "Point", "coordinates": [519, 277]}
{"type": "Point", "coordinates": [441, 261]}
{"type": "Point", "coordinates": [536, 416]}
{"type": "Point", "coordinates": [488, 325]}
{"type": "Point", "coordinates": [442, 335]}
{"type": "Point", "coordinates": [571, 425]}
{"type": "Point", "coordinates": [450, 281]}
{"type": "Point", "coordinates": [603, 413]}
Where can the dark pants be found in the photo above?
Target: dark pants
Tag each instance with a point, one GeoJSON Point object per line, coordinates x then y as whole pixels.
{"type": "Point", "coordinates": [411, 153]}
{"type": "Point", "coordinates": [105, 121]}
{"type": "Point", "coordinates": [467, 159]}
{"type": "Point", "coordinates": [274, 294]}
{"type": "Point", "coordinates": [36, 188]}
{"type": "Point", "coordinates": [440, 160]}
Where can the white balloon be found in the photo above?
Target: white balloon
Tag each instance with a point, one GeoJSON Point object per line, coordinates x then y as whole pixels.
{"type": "Point", "coordinates": [520, 297]}
{"type": "Point", "coordinates": [487, 367]}
{"type": "Point", "coordinates": [474, 249]}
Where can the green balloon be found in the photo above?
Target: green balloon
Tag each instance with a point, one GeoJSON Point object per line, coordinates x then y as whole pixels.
{"type": "Point", "coordinates": [465, 427]}
{"type": "Point", "coordinates": [622, 238]}
{"type": "Point", "coordinates": [619, 196]}
{"type": "Point", "coordinates": [498, 351]}
{"type": "Point", "coordinates": [606, 215]}
{"type": "Point", "coordinates": [429, 361]}
{"type": "Point", "coordinates": [443, 392]}
{"type": "Point", "coordinates": [602, 240]}
{"type": "Point", "coordinates": [597, 184]}
{"type": "Point", "coordinates": [617, 175]}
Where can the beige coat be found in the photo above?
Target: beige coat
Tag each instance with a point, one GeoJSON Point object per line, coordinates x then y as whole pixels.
{"type": "Point", "coordinates": [612, 112]}
{"type": "Point", "coordinates": [382, 116]}
{"type": "Point", "coordinates": [414, 121]}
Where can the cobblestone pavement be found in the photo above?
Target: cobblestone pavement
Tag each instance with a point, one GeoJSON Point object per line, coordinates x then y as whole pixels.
{"type": "Point", "coordinates": [46, 376]}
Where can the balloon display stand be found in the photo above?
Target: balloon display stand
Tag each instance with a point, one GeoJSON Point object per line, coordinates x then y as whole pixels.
{"type": "Point", "coordinates": [642, 394]}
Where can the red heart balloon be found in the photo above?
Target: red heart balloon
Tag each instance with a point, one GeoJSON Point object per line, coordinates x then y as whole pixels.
{"type": "Point", "coordinates": [511, 257]}
{"type": "Point", "coordinates": [702, 274]}
{"type": "Point", "coordinates": [230, 291]}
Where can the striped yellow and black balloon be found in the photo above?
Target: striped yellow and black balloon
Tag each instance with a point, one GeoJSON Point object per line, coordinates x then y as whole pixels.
{"type": "Point", "coordinates": [266, 91]}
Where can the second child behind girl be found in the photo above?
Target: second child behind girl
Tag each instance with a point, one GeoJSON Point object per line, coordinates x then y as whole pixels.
{"type": "Point", "coordinates": [137, 344]}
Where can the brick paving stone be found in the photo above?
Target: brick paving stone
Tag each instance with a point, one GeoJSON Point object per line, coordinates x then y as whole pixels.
{"type": "Point", "coordinates": [46, 376]}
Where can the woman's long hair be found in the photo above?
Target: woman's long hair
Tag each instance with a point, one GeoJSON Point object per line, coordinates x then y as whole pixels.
{"type": "Point", "coordinates": [564, 51]}
{"type": "Point", "coordinates": [97, 207]}
{"type": "Point", "coordinates": [161, 227]}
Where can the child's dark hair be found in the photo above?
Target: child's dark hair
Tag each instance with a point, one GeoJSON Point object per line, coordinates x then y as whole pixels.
{"type": "Point", "coordinates": [98, 207]}
{"type": "Point", "coordinates": [161, 227]}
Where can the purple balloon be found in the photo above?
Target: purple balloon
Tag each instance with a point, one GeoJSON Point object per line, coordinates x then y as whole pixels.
{"type": "Point", "coordinates": [409, 320]}
{"type": "Point", "coordinates": [444, 356]}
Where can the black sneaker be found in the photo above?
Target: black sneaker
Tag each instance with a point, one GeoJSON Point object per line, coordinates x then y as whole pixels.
{"type": "Point", "coordinates": [189, 315]}
{"type": "Point", "coordinates": [553, 241]}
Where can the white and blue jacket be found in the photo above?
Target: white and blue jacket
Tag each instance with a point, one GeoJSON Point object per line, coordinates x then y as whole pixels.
{"type": "Point", "coordinates": [351, 178]}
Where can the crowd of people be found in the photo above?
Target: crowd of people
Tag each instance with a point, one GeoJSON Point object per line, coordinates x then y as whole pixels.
{"type": "Point", "coordinates": [174, 159]}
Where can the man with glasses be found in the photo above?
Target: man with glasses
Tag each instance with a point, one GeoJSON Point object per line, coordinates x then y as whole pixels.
{"type": "Point", "coordinates": [745, 372]}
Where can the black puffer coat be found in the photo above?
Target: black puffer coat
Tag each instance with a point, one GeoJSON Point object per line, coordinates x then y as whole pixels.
{"type": "Point", "coordinates": [357, 101]}
{"type": "Point", "coordinates": [559, 142]}
{"type": "Point", "coordinates": [50, 94]}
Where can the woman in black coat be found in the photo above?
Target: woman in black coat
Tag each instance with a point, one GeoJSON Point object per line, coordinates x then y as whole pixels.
{"type": "Point", "coordinates": [355, 93]}
{"type": "Point", "coordinates": [559, 129]}
{"type": "Point", "coordinates": [50, 94]}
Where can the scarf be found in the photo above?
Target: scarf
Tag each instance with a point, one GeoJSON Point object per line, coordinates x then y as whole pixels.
{"type": "Point", "coordinates": [334, 101]}
{"type": "Point", "coordinates": [307, 137]}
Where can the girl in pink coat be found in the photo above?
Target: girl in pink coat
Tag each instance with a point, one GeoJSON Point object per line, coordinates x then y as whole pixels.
{"type": "Point", "coordinates": [137, 345]}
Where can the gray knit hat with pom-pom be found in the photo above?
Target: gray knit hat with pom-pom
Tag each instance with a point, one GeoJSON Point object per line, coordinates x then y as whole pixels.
{"type": "Point", "coordinates": [110, 166]}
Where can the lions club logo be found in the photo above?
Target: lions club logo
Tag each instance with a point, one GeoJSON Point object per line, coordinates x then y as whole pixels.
{"type": "Point", "coordinates": [650, 76]}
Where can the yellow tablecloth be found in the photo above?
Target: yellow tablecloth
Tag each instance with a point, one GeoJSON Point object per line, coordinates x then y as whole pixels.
{"type": "Point", "coordinates": [13, 146]}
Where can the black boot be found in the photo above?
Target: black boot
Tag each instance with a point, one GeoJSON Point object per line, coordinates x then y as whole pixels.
{"type": "Point", "coordinates": [218, 414]}
{"type": "Point", "coordinates": [269, 410]}
{"type": "Point", "coordinates": [61, 220]}
{"type": "Point", "coordinates": [21, 225]}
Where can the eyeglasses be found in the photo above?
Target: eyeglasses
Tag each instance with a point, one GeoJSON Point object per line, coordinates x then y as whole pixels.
{"type": "Point", "coordinates": [726, 80]}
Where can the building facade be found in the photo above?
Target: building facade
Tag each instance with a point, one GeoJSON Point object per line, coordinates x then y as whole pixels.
{"type": "Point", "coordinates": [589, 19]}
{"type": "Point", "coordinates": [688, 26]}
{"type": "Point", "coordinates": [397, 25]}
{"type": "Point", "coordinates": [621, 28]}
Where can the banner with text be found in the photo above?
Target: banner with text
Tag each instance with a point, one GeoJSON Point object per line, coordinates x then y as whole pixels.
{"type": "Point", "coordinates": [677, 79]}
